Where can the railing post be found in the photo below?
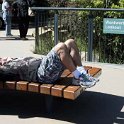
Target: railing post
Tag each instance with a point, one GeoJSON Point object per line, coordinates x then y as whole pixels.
{"type": "Point", "coordinates": [36, 30]}
{"type": "Point", "coordinates": [90, 36]}
{"type": "Point", "coordinates": [55, 29]}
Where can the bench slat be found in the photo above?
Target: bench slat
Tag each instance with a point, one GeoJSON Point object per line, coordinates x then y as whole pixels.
{"type": "Point", "coordinates": [33, 87]}
{"type": "Point", "coordinates": [87, 67]}
{"type": "Point", "coordinates": [10, 85]}
{"type": "Point", "coordinates": [22, 85]}
{"type": "Point", "coordinates": [72, 92]}
{"type": "Point", "coordinates": [46, 88]}
{"type": "Point", "coordinates": [57, 90]}
{"type": "Point", "coordinates": [95, 72]}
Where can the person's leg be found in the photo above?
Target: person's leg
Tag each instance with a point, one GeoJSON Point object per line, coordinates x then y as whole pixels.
{"type": "Point", "coordinates": [74, 51]}
{"type": "Point", "coordinates": [21, 27]}
{"type": "Point", "coordinates": [55, 62]}
{"type": "Point", "coordinates": [69, 56]}
{"type": "Point", "coordinates": [6, 26]}
{"type": "Point", "coordinates": [69, 53]}
{"type": "Point", "coordinates": [26, 25]}
{"type": "Point", "coordinates": [9, 25]}
{"type": "Point", "coordinates": [63, 52]}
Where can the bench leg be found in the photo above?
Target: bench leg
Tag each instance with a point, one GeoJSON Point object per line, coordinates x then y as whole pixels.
{"type": "Point", "coordinates": [48, 103]}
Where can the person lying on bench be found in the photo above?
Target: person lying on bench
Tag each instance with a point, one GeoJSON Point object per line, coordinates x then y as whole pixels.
{"type": "Point", "coordinates": [49, 68]}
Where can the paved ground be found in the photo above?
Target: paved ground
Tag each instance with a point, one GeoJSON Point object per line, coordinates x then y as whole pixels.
{"type": "Point", "coordinates": [101, 104]}
{"type": "Point", "coordinates": [10, 46]}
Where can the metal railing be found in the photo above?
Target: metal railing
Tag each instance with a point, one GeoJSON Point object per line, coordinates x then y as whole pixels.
{"type": "Point", "coordinates": [54, 24]}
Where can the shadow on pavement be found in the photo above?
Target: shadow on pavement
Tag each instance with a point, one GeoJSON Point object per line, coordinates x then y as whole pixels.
{"type": "Point", "coordinates": [89, 108]}
{"type": "Point", "coordinates": [15, 38]}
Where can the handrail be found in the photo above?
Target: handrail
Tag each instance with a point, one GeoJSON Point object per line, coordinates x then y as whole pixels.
{"type": "Point", "coordinates": [78, 9]}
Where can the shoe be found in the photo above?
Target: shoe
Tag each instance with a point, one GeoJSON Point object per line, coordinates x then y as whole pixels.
{"type": "Point", "coordinates": [17, 38]}
{"type": "Point", "coordinates": [9, 35]}
{"type": "Point", "coordinates": [85, 80]}
{"type": "Point", "coordinates": [24, 38]}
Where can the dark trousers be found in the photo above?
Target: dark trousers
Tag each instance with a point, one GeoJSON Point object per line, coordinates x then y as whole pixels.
{"type": "Point", "coordinates": [23, 26]}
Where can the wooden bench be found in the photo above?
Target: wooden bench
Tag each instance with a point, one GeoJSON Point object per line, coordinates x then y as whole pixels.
{"type": "Point", "coordinates": [62, 88]}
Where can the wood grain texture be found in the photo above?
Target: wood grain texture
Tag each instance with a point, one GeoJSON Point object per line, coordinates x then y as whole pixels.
{"type": "Point", "coordinates": [72, 92]}
{"type": "Point", "coordinates": [33, 87]}
{"type": "Point", "coordinates": [22, 85]}
{"type": "Point", "coordinates": [57, 90]}
{"type": "Point", "coordinates": [95, 72]}
{"type": "Point", "coordinates": [46, 88]}
{"type": "Point", "coordinates": [10, 85]}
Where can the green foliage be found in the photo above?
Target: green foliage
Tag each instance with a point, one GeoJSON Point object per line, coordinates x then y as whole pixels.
{"type": "Point", "coordinates": [121, 3]}
{"type": "Point", "coordinates": [110, 45]}
{"type": "Point", "coordinates": [46, 43]}
{"type": "Point", "coordinates": [91, 3]}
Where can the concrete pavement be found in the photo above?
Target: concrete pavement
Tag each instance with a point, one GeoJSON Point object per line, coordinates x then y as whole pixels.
{"type": "Point", "coordinates": [101, 104]}
{"type": "Point", "coordinates": [11, 46]}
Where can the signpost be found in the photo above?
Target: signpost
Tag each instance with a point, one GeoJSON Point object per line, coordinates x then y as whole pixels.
{"type": "Point", "coordinates": [113, 25]}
